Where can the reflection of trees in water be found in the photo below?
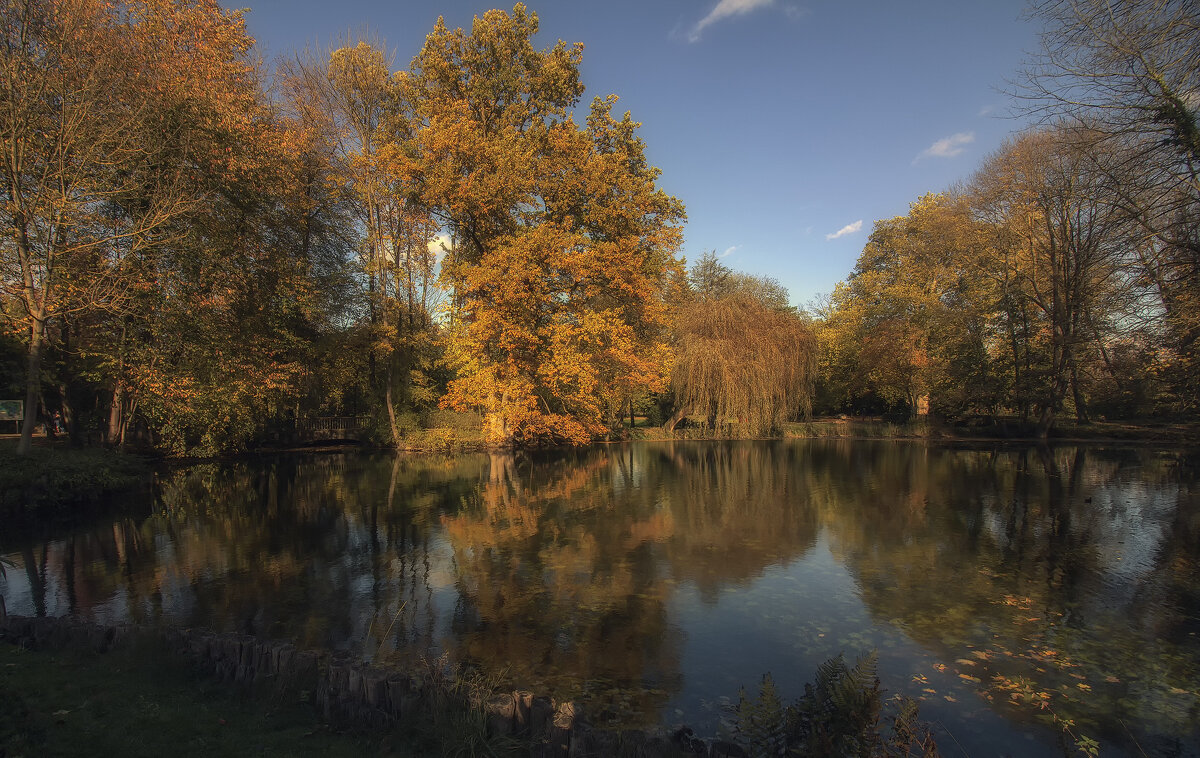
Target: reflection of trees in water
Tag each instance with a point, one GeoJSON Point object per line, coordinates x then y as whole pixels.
{"type": "Point", "coordinates": [83, 570]}
{"type": "Point", "coordinates": [1080, 562]}
{"type": "Point", "coordinates": [557, 581]}
{"type": "Point", "coordinates": [281, 547]}
{"type": "Point", "coordinates": [737, 508]}
{"type": "Point", "coordinates": [1067, 567]}
{"type": "Point", "coordinates": [565, 567]}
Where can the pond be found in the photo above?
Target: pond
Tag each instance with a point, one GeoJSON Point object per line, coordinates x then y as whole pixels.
{"type": "Point", "coordinates": [651, 581]}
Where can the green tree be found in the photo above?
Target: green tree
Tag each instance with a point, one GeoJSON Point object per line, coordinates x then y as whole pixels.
{"type": "Point", "coordinates": [364, 103]}
{"type": "Point", "coordinates": [910, 324]}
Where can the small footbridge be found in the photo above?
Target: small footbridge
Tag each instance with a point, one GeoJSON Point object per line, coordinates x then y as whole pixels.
{"type": "Point", "coordinates": [331, 429]}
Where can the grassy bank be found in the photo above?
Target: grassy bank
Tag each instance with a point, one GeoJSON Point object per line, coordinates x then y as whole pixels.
{"type": "Point", "coordinates": [443, 440]}
{"type": "Point", "coordinates": [435, 431]}
{"type": "Point", "coordinates": [136, 701]}
{"type": "Point", "coordinates": [995, 429]}
{"type": "Point", "coordinates": [54, 479]}
{"type": "Point", "coordinates": [980, 429]}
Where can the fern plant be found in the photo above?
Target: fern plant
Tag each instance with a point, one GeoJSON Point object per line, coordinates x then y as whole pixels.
{"type": "Point", "coordinates": [838, 716]}
{"type": "Point", "coordinates": [760, 725]}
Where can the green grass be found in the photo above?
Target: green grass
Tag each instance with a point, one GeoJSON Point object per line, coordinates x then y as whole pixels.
{"type": "Point", "coordinates": [443, 440]}
{"type": "Point", "coordinates": [139, 701]}
{"type": "Point", "coordinates": [59, 478]}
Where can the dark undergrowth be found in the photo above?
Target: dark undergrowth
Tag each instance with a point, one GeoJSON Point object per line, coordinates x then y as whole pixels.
{"type": "Point", "coordinates": [54, 481]}
{"type": "Point", "coordinates": [136, 701]}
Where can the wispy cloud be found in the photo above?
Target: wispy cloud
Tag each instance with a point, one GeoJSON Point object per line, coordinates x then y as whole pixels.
{"type": "Point", "coordinates": [986, 110]}
{"type": "Point", "coordinates": [726, 9]}
{"type": "Point", "coordinates": [947, 147]}
{"type": "Point", "coordinates": [729, 251]}
{"type": "Point", "coordinates": [847, 229]}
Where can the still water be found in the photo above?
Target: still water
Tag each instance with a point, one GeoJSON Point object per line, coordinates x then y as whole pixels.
{"type": "Point", "coordinates": [651, 581]}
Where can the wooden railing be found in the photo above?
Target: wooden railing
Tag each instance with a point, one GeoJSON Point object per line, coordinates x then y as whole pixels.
{"type": "Point", "coordinates": [331, 428]}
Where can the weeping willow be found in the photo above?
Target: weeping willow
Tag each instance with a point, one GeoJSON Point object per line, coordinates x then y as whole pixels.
{"type": "Point", "coordinates": [741, 360]}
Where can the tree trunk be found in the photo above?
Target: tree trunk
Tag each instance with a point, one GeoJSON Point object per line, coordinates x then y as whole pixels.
{"type": "Point", "coordinates": [1081, 411]}
{"type": "Point", "coordinates": [33, 383]}
{"type": "Point", "coordinates": [495, 423]}
{"type": "Point", "coordinates": [70, 417]}
{"type": "Point", "coordinates": [1045, 422]}
{"type": "Point", "coordinates": [388, 400]}
{"type": "Point", "coordinates": [49, 425]}
{"type": "Point", "coordinates": [66, 391]}
{"type": "Point", "coordinates": [676, 417]}
{"type": "Point", "coordinates": [113, 435]}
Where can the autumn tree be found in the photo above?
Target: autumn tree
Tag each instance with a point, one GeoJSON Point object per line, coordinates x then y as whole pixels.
{"type": "Point", "coordinates": [92, 174]}
{"type": "Point", "coordinates": [1123, 77]}
{"type": "Point", "coordinates": [743, 354]}
{"type": "Point", "coordinates": [910, 323]}
{"type": "Point", "coordinates": [322, 212]}
{"type": "Point", "coordinates": [355, 98]}
{"type": "Point", "coordinates": [1069, 254]}
{"type": "Point", "coordinates": [563, 243]}
{"type": "Point", "coordinates": [151, 246]}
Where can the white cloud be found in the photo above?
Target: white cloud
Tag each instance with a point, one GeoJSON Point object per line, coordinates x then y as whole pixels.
{"type": "Point", "coordinates": [947, 147]}
{"type": "Point", "coordinates": [847, 229]}
{"type": "Point", "coordinates": [986, 110]}
{"type": "Point", "coordinates": [729, 251]}
{"type": "Point", "coordinates": [439, 246]}
{"type": "Point", "coordinates": [723, 10]}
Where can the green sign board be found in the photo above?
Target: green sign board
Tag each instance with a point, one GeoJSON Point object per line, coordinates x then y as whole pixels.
{"type": "Point", "coordinates": [12, 410]}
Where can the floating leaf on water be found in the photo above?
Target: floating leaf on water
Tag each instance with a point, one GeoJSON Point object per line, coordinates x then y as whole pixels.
{"type": "Point", "coordinates": [969, 678]}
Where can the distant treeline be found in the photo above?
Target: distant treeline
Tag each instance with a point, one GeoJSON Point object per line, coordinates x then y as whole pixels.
{"type": "Point", "coordinates": [201, 249]}
{"type": "Point", "coordinates": [1064, 276]}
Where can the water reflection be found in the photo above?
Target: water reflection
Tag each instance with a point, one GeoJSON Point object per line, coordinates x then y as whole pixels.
{"type": "Point", "coordinates": [648, 578]}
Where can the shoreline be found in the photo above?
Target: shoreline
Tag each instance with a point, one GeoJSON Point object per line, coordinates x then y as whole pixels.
{"type": "Point", "coordinates": [58, 481]}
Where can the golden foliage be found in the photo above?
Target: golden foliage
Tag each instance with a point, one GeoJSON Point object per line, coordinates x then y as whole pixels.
{"type": "Point", "coordinates": [563, 243]}
{"type": "Point", "coordinates": [742, 360]}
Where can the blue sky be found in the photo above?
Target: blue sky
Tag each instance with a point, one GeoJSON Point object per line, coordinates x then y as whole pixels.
{"type": "Point", "coordinates": [787, 128]}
